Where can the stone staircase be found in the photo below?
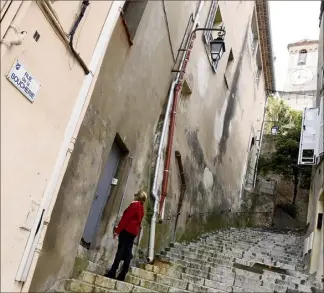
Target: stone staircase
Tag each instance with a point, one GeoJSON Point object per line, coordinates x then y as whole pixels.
{"type": "Point", "coordinates": [230, 260]}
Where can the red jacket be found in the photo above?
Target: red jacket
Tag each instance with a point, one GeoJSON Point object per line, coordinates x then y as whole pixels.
{"type": "Point", "coordinates": [131, 219]}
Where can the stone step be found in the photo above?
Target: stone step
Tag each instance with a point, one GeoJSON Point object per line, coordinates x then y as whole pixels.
{"type": "Point", "coordinates": [94, 280]}
{"type": "Point", "coordinates": [193, 276]}
{"type": "Point", "coordinates": [226, 271]}
{"type": "Point", "coordinates": [155, 286]}
{"type": "Point", "coordinates": [240, 250]}
{"type": "Point", "coordinates": [75, 285]}
{"type": "Point", "coordinates": [246, 256]}
{"type": "Point", "coordinates": [81, 265]}
{"type": "Point", "coordinates": [177, 281]}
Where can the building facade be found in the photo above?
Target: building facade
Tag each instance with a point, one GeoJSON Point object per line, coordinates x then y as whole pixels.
{"type": "Point", "coordinates": [301, 74]}
{"type": "Point", "coordinates": [48, 86]}
{"type": "Point", "coordinates": [314, 118]}
{"type": "Point", "coordinates": [115, 146]}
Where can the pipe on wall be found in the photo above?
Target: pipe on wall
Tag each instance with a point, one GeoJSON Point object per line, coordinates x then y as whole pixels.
{"type": "Point", "coordinates": [172, 122]}
{"type": "Point", "coordinates": [13, 28]}
{"type": "Point", "coordinates": [46, 8]}
{"type": "Point", "coordinates": [71, 131]}
{"type": "Point", "coordinates": [158, 160]}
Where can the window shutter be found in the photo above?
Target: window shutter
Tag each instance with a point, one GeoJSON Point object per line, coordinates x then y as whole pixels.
{"type": "Point", "coordinates": [308, 137]}
{"type": "Point", "coordinates": [320, 137]}
{"type": "Point", "coordinates": [210, 22]}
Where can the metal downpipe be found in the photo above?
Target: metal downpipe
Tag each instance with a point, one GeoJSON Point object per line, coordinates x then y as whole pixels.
{"type": "Point", "coordinates": [158, 160]}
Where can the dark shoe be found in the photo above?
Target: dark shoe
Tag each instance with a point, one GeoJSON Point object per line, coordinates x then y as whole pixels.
{"type": "Point", "coordinates": [121, 277]}
{"type": "Point", "coordinates": [110, 275]}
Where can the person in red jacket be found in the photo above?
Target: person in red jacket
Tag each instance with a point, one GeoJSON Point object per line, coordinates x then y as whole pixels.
{"type": "Point", "coordinates": [127, 229]}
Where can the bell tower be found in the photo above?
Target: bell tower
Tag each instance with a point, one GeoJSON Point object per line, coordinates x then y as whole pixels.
{"type": "Point", "coordinates": [302, 74]}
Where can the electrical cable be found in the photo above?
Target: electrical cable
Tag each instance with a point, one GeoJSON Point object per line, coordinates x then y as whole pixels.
{"type": "Point", "coordinates": [168, 29]}
{"type": "Point", "coordinates": [84, 6]}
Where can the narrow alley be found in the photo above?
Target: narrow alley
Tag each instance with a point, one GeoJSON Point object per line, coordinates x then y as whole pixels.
{"type": "Point", "coordinates": [183, 139]}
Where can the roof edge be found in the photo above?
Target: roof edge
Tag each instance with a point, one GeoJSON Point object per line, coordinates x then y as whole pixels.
{"type": "Point", "coordinates": [263, 19]}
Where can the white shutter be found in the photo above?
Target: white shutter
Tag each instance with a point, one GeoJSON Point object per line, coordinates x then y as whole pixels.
{"type": "Point", "coordinates": [308, 138]}
{"type": "Point", "coordinates": [320, 136]}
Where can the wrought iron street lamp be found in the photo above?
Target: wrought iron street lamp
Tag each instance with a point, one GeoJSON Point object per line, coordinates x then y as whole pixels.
{"type": "Point", "coordinates": [217, 46]}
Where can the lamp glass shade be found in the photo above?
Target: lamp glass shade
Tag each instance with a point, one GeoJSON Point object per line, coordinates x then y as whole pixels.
{"type": "Point", "coordinates": [217, 48]}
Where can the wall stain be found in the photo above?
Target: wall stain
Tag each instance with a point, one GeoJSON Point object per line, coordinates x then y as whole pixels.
{"type": "Point", "coordinates": [232, 100]}
{"type": "Point", "coordinates": [195, 146]}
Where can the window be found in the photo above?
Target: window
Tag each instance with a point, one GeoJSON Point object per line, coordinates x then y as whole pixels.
{"type": "Point", "coordinates": [258, 64]}
{"type": "Point", "coordinates": [132, 15]}
{"type": "Point", "coordinates": [214, 20]}
{"type": "Point", "coordinates": [254, 37]}
{"type": "Point", "coordinates": [302, 57]}
{"type": "Point", "coordinates": [229, 69]}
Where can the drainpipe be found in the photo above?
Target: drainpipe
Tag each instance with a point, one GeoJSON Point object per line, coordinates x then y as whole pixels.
{"type": "Point", "coordinates": [69, 137]}
{"type": "Point", "coordinates": [158, 160]}
{"type": "Point", "coordinates": [172, 122]}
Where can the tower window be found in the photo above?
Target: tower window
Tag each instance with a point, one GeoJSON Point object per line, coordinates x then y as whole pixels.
{"type": "Point", "coordinates": [302, 57]}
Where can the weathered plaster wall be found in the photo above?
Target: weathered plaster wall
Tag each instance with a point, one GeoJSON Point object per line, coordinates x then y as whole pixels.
{"type": "Point", "coordinates": [32, 133]}
{"type": "Point", "coordinates": [212, 133]}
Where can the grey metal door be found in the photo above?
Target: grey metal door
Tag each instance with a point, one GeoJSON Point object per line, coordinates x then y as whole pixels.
{"type": "Point", "coordinates": [102, 194]}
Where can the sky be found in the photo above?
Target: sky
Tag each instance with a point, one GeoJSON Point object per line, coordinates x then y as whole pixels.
{"type": "Point", "coordinates": [291, 21]}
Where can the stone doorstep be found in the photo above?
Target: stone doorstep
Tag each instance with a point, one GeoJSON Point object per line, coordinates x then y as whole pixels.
{"type": "Point", "coordinates": [85, 254]}
{"type": "Point", "coordinates": [205, 285]}
{"type": "Point", "coordinates": [81, 265]}
{"type": "Point", "coordinates": [100, 282]}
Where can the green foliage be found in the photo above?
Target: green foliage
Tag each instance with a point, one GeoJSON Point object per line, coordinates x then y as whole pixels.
{"type": "Point", "coordinates": [284, 161]}
{"type": "Point", "coordinates": [280, 114]}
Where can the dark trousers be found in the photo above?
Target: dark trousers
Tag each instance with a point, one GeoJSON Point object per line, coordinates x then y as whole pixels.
{"type": "Point", "coordinates": [124, 252]}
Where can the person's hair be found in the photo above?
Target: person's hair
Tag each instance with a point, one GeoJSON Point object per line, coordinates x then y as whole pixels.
{"type": "Point", "coordinates": [141, 196]}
